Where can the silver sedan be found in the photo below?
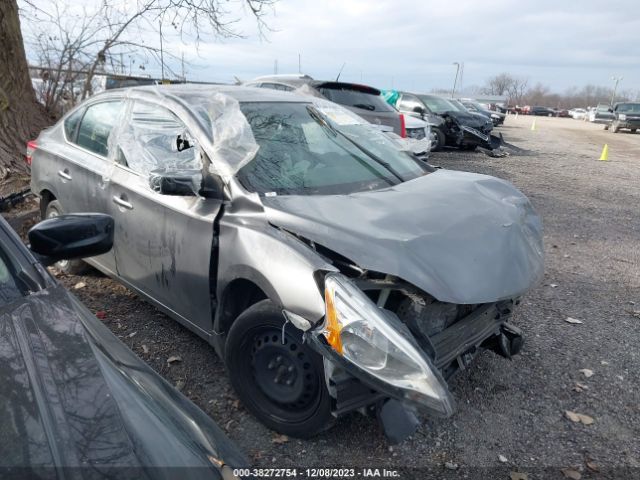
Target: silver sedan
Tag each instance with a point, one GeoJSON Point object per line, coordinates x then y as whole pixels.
{"type": "Point", "coordinates": [330, 269]}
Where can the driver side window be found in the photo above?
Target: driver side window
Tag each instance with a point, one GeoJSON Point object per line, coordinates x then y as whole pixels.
{"type": "Point", "coordinates": [156, 139]}
{"type": "Point", "coordinates": [408, 102]}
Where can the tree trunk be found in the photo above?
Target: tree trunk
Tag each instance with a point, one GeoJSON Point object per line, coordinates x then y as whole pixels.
{"type": "Point", "coordinates": [21, 117]}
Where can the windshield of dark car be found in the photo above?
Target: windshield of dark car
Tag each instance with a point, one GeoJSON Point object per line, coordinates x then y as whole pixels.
{"type": "Point", "coordinates": [303, 155]}
{"type": "Point", "coordinates": [628, 108]}
{"type": "Point", "coordinates": [438, 104]}
{"type": "Point", "coordinates": [356, 98]}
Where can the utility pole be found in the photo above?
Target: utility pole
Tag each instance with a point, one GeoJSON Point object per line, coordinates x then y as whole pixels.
{"type": "Point", "coordinates": [275, 66]}
{"type": "Point", "coordinates": [299, 64]}
{"type": "Point", "coordinates": [615, 87]}
{"type": "Point", "coordinates": [161, 52]}
{"type": "Point", "coordinates": [455, 80]}
{"type": "Point", "coordinates": [184, 79]}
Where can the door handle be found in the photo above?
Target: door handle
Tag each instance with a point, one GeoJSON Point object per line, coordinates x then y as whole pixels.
{"type": "Point", "coordinates": [64, 174]}
{"type": "Point", "coordinates": [122, 202]}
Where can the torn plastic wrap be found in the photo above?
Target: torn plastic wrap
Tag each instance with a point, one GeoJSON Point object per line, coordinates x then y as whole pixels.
{"type": "Point", "coordinates": [233, 143]}
{"type": "Point", "coordinates": [154, 143]}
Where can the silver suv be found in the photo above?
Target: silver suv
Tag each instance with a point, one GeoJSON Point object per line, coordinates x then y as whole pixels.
{"type": "Point", "coordinates": [329, 269]}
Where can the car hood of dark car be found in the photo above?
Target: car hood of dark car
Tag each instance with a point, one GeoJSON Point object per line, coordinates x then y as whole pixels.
{"type": "Point", "coordinates": [461, 237]}
{"type": "Point", "coordinates": [473, 120]}
{"type": "Point", "coordinates": [74, 396]}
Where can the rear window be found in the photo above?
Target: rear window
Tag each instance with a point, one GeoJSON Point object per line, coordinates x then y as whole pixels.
{"type": "Point", "coordinates": [356, 98]}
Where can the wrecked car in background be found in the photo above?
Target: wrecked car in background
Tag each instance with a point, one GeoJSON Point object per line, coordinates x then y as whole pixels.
{"type": "Point", "coordinates": [74, 398]}
{"type": "Point", "coordinates": [332, 271]}
{"type": "Point", "coordinates": [626, 115]}
{"type": "Point", "coordinates": [460, 128]}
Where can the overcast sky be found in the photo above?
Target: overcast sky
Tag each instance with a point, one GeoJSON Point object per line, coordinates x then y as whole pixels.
{"type": "Point", "coordinates": [413, 44]}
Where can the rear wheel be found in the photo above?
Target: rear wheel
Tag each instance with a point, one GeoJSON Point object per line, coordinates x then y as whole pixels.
{"type": "Point", "coordinates": [70, 267]}
{"type": "Point", "coordinates": [633, 130]}
{"type": "Point", "coordinates": [282, 384]}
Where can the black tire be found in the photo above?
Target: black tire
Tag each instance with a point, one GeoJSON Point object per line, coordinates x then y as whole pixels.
{"type": "Point", "coordinates": [282, 385]}
{"type": "Point", "coordinates": [69, 267]}
{"type": "Point", "coordinates": [441, 140]}
{"type": "Point", "coordinates": [633, 130]}
{"type": "Point", "coordinates": [468, 148]}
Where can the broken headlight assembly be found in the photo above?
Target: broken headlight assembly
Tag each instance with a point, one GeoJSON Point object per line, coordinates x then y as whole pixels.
{"type": "Point", "coordinates": [362, 334]}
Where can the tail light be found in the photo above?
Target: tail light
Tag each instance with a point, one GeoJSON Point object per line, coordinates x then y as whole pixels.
{"type": "Point", "coordinates": [403, 127]}
{"type": "Point", "coordinates": [31, 147]}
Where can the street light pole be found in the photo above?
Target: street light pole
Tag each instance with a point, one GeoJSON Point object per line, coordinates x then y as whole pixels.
{"type": "Point", "coordinates": [455, 81]}
{"type": "Point", "coordinates": [615, 87]}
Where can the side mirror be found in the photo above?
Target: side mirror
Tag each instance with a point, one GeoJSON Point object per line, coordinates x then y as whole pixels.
{"type": "Point", "coordinates": [71, 236]}
{"type": "Point", "coordinates": [184, 183]}
{"type": "Point", "coordinates": [610, 110]}
{"type": "Point", "coordinates": [419, 109]}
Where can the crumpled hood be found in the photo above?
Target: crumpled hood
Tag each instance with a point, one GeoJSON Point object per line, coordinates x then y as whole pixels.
{"type": "Point", "coordinates": [477, 121]}
{"type": "Point", "coordinates": [461, 237]}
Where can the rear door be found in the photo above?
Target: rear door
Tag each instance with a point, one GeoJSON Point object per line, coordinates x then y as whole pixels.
{"type": "Point", "coordinates": [372, 107]}
{"type": "Point", "coordinates": [79, 167]}
{"type": "Point", "coordinates": [163, 243]}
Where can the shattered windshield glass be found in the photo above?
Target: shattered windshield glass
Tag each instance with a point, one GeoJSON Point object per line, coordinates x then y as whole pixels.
{"type": "Point", "coordinates": [320, 149]}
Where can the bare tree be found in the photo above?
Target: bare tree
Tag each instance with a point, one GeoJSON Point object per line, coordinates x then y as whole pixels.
{"type": "Point", "coordinates": [88, 45]}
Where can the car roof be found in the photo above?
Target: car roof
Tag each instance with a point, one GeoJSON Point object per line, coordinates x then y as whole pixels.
{"type": "Point", "coordinates": [193, 93]}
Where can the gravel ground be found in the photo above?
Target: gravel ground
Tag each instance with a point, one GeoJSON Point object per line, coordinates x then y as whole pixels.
{"type": "Point", "coordinates": [511, 414]}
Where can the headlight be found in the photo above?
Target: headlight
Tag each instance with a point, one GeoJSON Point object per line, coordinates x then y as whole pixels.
{"type": "Point", "coordinates": [359, 331]}
{"type": "Point", "coordinates": [622, 116]}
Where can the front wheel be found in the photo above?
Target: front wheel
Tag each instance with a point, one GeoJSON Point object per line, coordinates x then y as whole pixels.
{"type": "Point", "coordinates": [440, 140]}
{"type": "Point", "coordinates": [70, 267]}
{"type": "Point", "coordinates": [633, 130]}
{"type": "Point", "coordinates": [279, 380]}
{"type": "Point", "coordinates": [469, 148]}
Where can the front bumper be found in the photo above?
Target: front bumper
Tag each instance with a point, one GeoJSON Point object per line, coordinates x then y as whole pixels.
{"type": "Point", "coordinates": [451, 350]}
{"type": "Point", "coordinates": [629, 124]}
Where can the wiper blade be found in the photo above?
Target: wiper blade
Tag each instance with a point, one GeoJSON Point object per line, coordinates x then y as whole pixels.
{"type": "Point", "coordinates": [320, 118]}
{"type": "Point", "coordinates": [365, 106]}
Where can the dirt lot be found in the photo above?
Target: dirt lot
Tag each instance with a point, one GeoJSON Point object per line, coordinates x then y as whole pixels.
{"type": "Point", "coordinates": [516, 410]}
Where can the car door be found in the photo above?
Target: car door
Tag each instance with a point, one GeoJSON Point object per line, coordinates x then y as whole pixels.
{"type": "Point", "coordinates": [83, 166]}
{"type": "Point", "coordinates": [163, 243]}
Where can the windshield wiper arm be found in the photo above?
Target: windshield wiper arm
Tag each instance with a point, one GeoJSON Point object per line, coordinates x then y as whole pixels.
{"type": "Point", "coordinates": [319, 117]}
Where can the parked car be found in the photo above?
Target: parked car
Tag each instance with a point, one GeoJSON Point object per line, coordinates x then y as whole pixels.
{"type": "Point", "coordinates": [331, 271]}
{"type": "Point", "coordinates": [360, 99]}
{"type": "Point", "coordinates": [601, 114]}
{"type": "Point", "coordinates": [459, 128]}
{"type": "Point", "coordinates": [73, 397]}
{"type": "Point", "coordinates": [496, 118]}
{"type": "Point", "coordinates": [541, 111]}
{"type": "Point", "coordinates": [561, 113]}
{"type": "Point", "coordinates": [578, 113]}
{"type": "Point", "coordinates": [625, 115]}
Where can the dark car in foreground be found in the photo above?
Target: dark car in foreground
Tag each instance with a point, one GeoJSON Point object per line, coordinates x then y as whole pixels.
{"type": "Point", "coordinates": [75, 402]}
{"type": "Point", "coordinates": [458, 128]}
{"type": "Point", "coordinates": [626, 115]}
{"type": "Point", "coordinates": [331, 270]}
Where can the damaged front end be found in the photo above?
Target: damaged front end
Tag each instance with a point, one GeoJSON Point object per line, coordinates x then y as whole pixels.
{"type": "Point", "coordinates": [466, 137]}
{"type": "Point", "coordinates": [389, 347]}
